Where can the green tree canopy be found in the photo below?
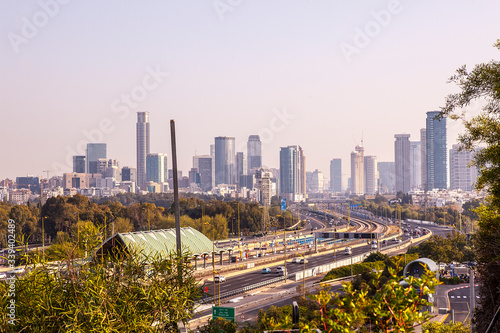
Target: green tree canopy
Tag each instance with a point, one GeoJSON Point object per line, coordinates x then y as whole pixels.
{"type": "Point", "coordinates": [482, 85]}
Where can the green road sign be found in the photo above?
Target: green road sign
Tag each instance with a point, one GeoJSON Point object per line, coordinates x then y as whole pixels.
{"type": "Point", "coordinates": [222, 312]}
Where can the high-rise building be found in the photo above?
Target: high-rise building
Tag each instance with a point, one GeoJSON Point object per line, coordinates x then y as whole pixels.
{"type": "Point", "coordinates": [317, 182]}
{"type": "Point", "coordinates": [205, 166]}
{"type": "Point", "coordinates": [386, 171]}
{"type": "Point", "coordinates": [79, 164]}
{"type": "Point", "coordinates": [142, 131]}
{"type": "Point", "coordinates": [423, 159]}
{"type": "Point", "coordinates": [336, 175]}
{"type": "Point", "coordinates": [129, 174]}
{"type": "Point", "coordinates": [371, 175]}
{"type": "Point", "coordinates": [358, 171]}
{"type": "Point", "coordinates": [402, 162]}
{"type": "Point", "coordinates": [292, 173]}
{"type": "Point", "coordinates": [95, 151]}
{"type": "Point", "coordinates": [194, 176]}
{"type": "Point", "coordinates": [225, 164]}
{"type": "Point", "coordinates": [437, 172]}
{"type": "Point", "coordinates": [415, 165]}
{"type": "Point", "coordinates": [241, 166]}
{"type": "Point", "coordinates": [254, 152]}
{"type": "Point", "coordinates": [156, 168]}
{"type": "Point", "coordinates": [264, 184]}
{"type": "Point", "coordinates": [302, 173]}
{"type": "Point", "coordinates": [28, 182]}
{"type": "Point", "coordinates": [463, 176]}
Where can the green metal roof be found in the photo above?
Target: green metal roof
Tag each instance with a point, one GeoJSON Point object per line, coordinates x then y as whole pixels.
{"type": "Point", "coordinates": [163, 241]}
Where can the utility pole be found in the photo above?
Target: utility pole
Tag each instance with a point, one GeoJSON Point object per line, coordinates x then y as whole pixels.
{"type": "Point", "coordinates": [284, 242]}
{"type": "Point", "coordinates": [176, 189]}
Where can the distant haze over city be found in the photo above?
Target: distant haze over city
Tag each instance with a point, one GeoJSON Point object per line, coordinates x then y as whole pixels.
{"type": "Point", "coordinates": [320, 74]}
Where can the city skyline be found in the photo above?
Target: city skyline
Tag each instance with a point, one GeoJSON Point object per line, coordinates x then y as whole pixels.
{"type": "Point", "coordinates": [66, 82]}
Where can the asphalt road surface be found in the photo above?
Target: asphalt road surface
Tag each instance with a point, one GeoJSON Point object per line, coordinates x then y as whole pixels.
{"type": "Point", "coordinates": [460, 303]}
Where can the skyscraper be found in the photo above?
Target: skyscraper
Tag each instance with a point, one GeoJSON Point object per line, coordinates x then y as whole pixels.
{"type": "Point", "coordinates": [437, 174]}
{"type": "Point", "coordinates": [292, 173]}
{"type": "Point", "coordinates": [225, 165]}
{"type": "Point", "coordinates": [94, 152]}
{"type": "Point", "coordinates": [264, 184]}
{"type": "Point", "coordinates": [241, 167]}
{"type": "Point", "coordinates": [317, 181]}
{"type": "Point", "coordinates": [205, 166]}
{"type": "Point", "coordinates": [156, 168]}
{"type": "Point", "coordinates": [336, 175]}
{"type": "Point", "coordinates": [423, 159]}
{"type": "Point", "coordinates": [79, 164]}
{"type": "Point", "coordinates": [358, 171]}
{"type": "Point", "coordinates": [415, 165]}
{"type": "Point", "coordinates": [402, 162]}
{"type": "Point", "coordinates": [462, 175]}
{"type": "Point", "coordinates": [386, 177]}
{"type": "Point", "coordinates": [254, 154]}
{"type": "Point", "coordinates": [371, 175]}
{"type": "Point", "coordinates": [142, 130]}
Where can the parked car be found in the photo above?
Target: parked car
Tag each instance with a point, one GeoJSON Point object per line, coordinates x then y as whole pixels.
{"type": "Point", "coordinates": [219, 278]}
{"type": "Point", "coordinates": [266, 270]}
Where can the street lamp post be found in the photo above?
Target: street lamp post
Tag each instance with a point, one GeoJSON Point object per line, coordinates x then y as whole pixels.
{"type": "Point", "coordinates": [284, 240]}
{"type": "Point", "coordinates": [213, 258]}
{"type": "Point", "coordinates": [303, 276]}
{"type": "Point", "coordinates": [284, 243]}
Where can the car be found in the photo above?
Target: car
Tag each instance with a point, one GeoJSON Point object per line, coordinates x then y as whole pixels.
{"type": "Point", "coordinates": [303, 261]}
{"type": "Point", "coordinates": [280, 269]}
{"type": "Point", "coordinates": [266, 270]}
{"type": "Point", "coordinates": [295, 260]}
{"type": "Point", "coordinates": [374, 246]}
{"type": "Point", "coordinates": [3, 275]}
{"type": "Point", "coordinates": [348, 250]}
{"type": "Point", "coordinates": [219, 279]}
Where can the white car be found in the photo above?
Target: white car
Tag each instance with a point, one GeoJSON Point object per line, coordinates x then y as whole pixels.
{"type": "Point", "coordinates": [220, 278]}
{"type": "Point", "coordinates": [295, 260]}
{"type": "Point", "coordinates": [3, 275]}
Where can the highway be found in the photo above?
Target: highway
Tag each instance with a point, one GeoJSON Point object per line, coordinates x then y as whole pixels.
{"type": "Point", "coordinates": [251, 277]}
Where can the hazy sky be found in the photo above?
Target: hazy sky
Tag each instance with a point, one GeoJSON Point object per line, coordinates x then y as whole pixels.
{"type": "Point", "coordinates": [318, 73]}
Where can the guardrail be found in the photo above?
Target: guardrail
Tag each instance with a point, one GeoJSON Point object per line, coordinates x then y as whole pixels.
{"type": "Point", "coordinates": [247, 288]}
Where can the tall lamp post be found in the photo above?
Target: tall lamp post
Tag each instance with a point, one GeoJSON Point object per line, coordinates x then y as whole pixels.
{"type": "Point", "coordinates": [303, 276]}
{"type": "Point", "coordinates": [213, 260]}
{"type": "Point", "coordinates": [284, 239]}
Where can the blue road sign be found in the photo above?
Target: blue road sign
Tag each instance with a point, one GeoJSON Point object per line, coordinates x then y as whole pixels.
{"type": "Point", "coordinates": [283, 204]}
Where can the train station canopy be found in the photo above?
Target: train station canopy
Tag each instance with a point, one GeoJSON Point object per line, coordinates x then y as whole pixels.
{"type": "Point", "coordinates": [159, 242]}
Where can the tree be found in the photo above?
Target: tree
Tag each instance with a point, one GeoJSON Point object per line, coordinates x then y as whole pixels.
{"type": "Point", "coordinates": [134, 293]}
{"type": "Point", "coordinates": [435, 327]}
{"type": "Point", "coordinates": [393, 308]}
{"type": "Point", "coordinates": [482, 84]}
